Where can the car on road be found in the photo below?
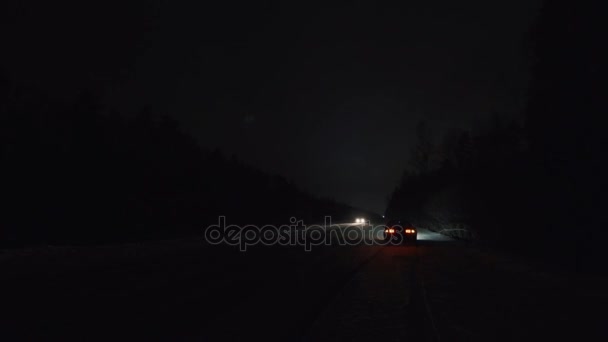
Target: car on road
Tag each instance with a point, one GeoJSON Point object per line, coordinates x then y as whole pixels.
{"type": "Point", "coordinates": [362, 220]}
{"type": "Point", "coordinates": [400, 230]}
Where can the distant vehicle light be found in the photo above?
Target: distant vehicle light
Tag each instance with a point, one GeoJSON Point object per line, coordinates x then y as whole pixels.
{"type": "Point", "coordinates": [391, 230]}
{"type": "Point", "coordinates": [358, 220]}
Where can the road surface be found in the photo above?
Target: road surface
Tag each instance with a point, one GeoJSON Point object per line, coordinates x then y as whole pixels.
{"type": "Point", "coordinates": [185, 290]}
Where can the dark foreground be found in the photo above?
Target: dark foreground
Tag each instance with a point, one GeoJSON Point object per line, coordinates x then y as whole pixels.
{"type": "Point", "coordinates": [187, 290]}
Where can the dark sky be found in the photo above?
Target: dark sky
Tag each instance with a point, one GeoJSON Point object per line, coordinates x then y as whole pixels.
{"type": "Point", "coordinates": [326, 95]}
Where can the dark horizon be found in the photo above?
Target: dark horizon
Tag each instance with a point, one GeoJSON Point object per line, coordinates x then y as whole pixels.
{"type": "Point", "coordinates": [277, 84]}
{"type": "Point", "coordinates": [428, 171]}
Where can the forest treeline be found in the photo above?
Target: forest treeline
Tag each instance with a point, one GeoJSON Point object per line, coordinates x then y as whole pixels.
{"type": "Point", "coordinates": [537, 186]}
{"type": "Point", "coordinates": [76, 173]}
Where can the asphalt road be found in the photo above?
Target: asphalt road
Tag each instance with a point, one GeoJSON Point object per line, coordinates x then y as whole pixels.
{"type": "Point", "coordinates": [438, 290]}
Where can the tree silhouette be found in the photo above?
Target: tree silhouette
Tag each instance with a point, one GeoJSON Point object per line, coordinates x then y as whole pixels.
{"type": "Point", "coordinates": [77, 173]}
{"type": "Point", "coordinates": [421, 154]}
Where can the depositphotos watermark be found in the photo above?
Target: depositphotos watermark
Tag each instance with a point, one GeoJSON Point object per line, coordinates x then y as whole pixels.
{"type": "Point", "coordinates": [298, 234]}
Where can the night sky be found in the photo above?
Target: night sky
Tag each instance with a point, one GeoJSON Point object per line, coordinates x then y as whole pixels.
{"type": "Point", "coordinates": [328, 96]}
